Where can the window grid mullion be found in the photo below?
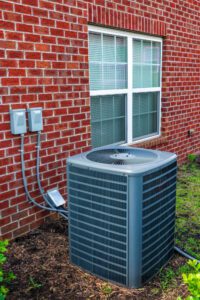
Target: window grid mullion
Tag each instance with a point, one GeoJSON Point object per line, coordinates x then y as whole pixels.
{"type": "Point", "coordinates": [129, 94]}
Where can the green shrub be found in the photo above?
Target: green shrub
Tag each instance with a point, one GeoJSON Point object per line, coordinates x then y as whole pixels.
{"type": "Point", "coordinates": [5, 277]}
{"type": "Point", "coordinates": [192, 157]}
{"type": "Point", "coordinates": [192, 280]}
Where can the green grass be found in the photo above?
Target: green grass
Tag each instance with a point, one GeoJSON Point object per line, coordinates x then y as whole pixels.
{"type": "Point", "coordinates": [187, 224]}
{"type": "Point", "coordinates": [167, 277]}
{"type": "Point", "coordinates": [188, 209]}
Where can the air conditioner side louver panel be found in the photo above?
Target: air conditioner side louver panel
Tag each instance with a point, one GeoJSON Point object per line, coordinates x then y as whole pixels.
{"type": "Point", "coordinates": [98, 222]}
{"type": "Point", "coordinates": [158, 218]}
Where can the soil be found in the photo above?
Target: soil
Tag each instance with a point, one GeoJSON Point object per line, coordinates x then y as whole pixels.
{"type": "Point", "coordinates": [41, 264]}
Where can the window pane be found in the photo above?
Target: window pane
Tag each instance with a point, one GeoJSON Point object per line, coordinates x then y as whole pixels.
{"type": "Point", "coordinates": [136, 127]}
{"type": "Point", "coordinates": [107, 107]}
{"type": "Point", "coordinates": [145, 114]}
{"type": "Point", "coordinates": [95, 109]}
{"type": "Point", "coordinates": [108, 48]}
{"type": "Point", "coordinates": [137, 53]}
{"type": "Point", "coordinates": [146, 52]}
{"type": "Point", "coordinates": [108, 62]}
{"type": "Point", "coordinates": [95, 49]}
{"type": "Point", "coordinates": [137, 76]}
{"type": "Point", "coordinates": [144, 129]}
{"type": "Point", "coordinates": [107, 133]}
{"type": "Point", "coordinates": [121, 50]}
{"type": "Point", "coordinates": [146, 64]}
{"type": "Point", "coordinates": [95, 76]}
{"type": "Point", "coordinates": [156, 52]}
{"type": "Point", "coordinates": [121, 76]}
{"type": "Point", "coordinates": [109, 76]}
{"type": "Point", "coordinates": [143, 106]}
{"type": "Point", "coordinates": [146, 76]}
{"type": "Point", "coordinates": [119, 107]}
{"type": "Point", "coordinates": [136, 104]}
{"type": "Point", "coordinates": [108, 119]}
{"type": "Point", "coordinates": [156, 75]}
{"type": "Point", "coordinates": [153, 122]}
{"type": "Point", "coordinates": [96, 133]}
{"type": "Point", "coordinates": [119, 129]}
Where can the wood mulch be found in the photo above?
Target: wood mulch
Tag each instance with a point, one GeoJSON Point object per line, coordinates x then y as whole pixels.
{"type": "Point", "coordinates": [41, 264]}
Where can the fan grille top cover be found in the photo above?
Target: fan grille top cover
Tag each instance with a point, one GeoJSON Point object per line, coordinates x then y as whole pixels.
{"type": "Point", "coordinates": [122, 159]}
{"type": "Point", "coordinates": [122, 156]}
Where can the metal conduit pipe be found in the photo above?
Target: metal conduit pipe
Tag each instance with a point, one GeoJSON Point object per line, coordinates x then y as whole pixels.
{"type": "Point", "coordinates": [44, 195]}
{"type": "Point", "coordinates": [183, 253]}
{"type": "Point", "coordinates": [25, 182]}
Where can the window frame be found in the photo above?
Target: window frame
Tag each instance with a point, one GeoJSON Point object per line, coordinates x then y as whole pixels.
{"type": "Point", "coordinates": [129, 91]}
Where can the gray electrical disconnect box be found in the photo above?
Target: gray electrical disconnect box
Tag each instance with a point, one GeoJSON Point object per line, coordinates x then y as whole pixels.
{"type": "Point", "coordinates": [18, 121]}
{"type": "Point", "coordinates": [35, 119]}
{"type": "Point", "coordinates": [56, 197]}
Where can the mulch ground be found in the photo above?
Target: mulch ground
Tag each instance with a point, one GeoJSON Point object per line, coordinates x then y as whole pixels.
{"type": "Point", "coordinates": [40, 261]}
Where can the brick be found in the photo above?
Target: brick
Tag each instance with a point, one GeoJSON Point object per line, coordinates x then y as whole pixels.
{"type": "Point", "coordinates": [5, 221]}
{"type": "Point", "coordinates": [49, 56]}
{"type": "Point", "coordinates": [3, 72]}
{"type": "Point", "coordinates": [47, 5]}
{"type": "Point", "coordinates": [7, 44]}
{"type": "Point", "coordinates": [32, 38]}
{"type": "Point", "coordinates": [17, 72]}
{"type": "Point", "coordinates": [62, 25]}
{"type": "Point", "coordinates": [30, 20]}
{"type": "Point", "coordinates": [24, 28]}
{"type": "Point", "coordinates": [8, 228]}
{"type": "Point", "coordinates": [15, 54]}
{"type": "Point", "coordinates": [23, 9]}
{"type": "Point", "coordinates": [26, 63]}
{"type": "Point", "coordinates": [41, 30]}
{"type": "Point", "coordinates": [7, 25]}
{"type": "Point", "coordinates": [42, 47]}
{"type": "Point", "coordinates": [30, 2]}
{"type": "Point", "coordinates": [48, 22]}
{"type": "Point", "coordinates": [14, 36]}
{"type": "Point", "coordinates": [8, 16]}
{"type": "Point", "coordinates": [5, 5]}
{"type": "Point", "coordinates": [5, 63]}
{"type": "Point", "coordinates": [19, 215]}
{"type": "Point", "coordinates": [27, 220]}
{"type": "Point", "coordinates": [35, 72]}
{"type": "Point", "coordinates": [48, 39]}
{"type": "Point", "coordinates": [33, 55]}
{"type": "Point", "coordinates": [8, 211]}
{"type": "Point", "coordinates": [10, 81]}
{"type": "Point", "coordinates": [25, 46]}
{"type": "Point", "coordinates": [43, 64]}
{"type": "Point", "coordinates": [21, 231]}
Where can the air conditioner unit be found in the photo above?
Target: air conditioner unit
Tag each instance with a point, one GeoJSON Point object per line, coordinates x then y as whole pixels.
{"type": "Point", "coordinates": [122, 212]}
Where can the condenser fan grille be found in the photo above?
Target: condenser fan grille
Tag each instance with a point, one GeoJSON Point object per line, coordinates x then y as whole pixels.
{"type": "Point", "coordinates": [121, 156]}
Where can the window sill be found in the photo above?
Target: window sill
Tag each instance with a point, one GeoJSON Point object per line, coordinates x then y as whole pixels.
{"type": "Point", "coordinates": [153, 142]}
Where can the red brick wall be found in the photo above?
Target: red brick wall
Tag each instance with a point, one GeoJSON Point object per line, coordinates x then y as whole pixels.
{"type": "Point", "coordinates": [44, 62]}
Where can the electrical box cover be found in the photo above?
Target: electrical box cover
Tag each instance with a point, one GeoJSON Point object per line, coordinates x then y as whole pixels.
{"type": "Point", "coordinates": [56, 197]}
{"type": "Point", "coordinates": [18, 121]}
{"type": "Point", "coordinates": [35, 119]}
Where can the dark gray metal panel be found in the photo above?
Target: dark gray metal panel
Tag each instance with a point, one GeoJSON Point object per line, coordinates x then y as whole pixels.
{"type": "Point", "coordinates": [158, 218]}
{"type": "Point", "coordinates": [135, 231]}
{"type": "Point", "coordinates": [69, 218]}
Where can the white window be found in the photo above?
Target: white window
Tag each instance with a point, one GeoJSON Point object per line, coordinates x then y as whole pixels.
{"type": "Point", "coordinates": [125, 86]}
